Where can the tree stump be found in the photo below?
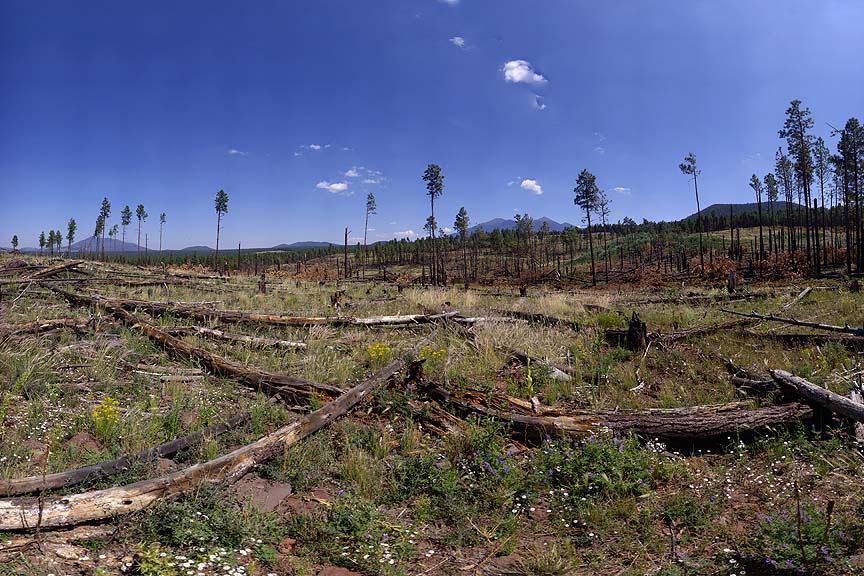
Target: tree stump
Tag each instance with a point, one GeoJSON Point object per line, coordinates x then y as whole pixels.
{"type": "Point", "coordinates": [262, 284]}
{"type": "Point", "coordinates": [730, 285]}
{"type": "Point", "coordinates": [637, 334]}
{"type": "Point", "coordinates": [523, 291]}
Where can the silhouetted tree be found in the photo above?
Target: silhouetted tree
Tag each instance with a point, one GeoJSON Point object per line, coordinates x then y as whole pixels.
{"type": "Point", "coordinates": [756, 184]}
{"type": "Point", "coordinates": [71, 228]}
{"type": "Point", "coordinates": [97, 232]}
{"type": "Point", "coordinates": [15, 242]}
{"type": "Point", "coordinates": [125, 220]}
{"type": "Point", "coordinates": [161, 226]}
{"type": "Point", "coordinates": [105, 212]}
{"type": "Point", "coordinates": [41, 242]}
{"type": "Point", "coordinates": [434, 189]}
{"type": "Point", "coordinates": [221, 208]}
{"type": "Point", "coordinates": [461, 225]}
{"type": "Point", "coordinates": [587, 196]}
{"type": "Point", "coordinates": [371, 208]}
{"type": "Point", "coordinates": [798, 142]}
{"type": "Point", "coordinates": [58, 240]}
{"type": "Point", "coordinates": [688, 168]}
{"type": "Point", "coordinates": [142, 215]}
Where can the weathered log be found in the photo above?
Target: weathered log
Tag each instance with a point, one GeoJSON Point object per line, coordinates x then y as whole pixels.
{"type": "Point", "coordinates": [538, 318]}
{"type": "Point", "coordinates": [287, 386]}
{"type": "Point", "coordinates": [92, 472]}
{"type": "Point", "coordinates": [818, 395]}
{"type": "Point", "coordinates": [698, 330]}
{"type": "Point", "coordinates": [554, 372]}
{"type": "Point", "coordinates": [698, 423]}
{"type": "Point", "coordinates": [42, 326]}
{"type": "Point", "coordinates": [803, 294]}
{"type": "Point", "coordinates": [796, 339]}
{"type": "Point", "coordinates": [235, 316]}
{"type": "Point", "coordinates": [794, 322]}
{"type": "Point", "coordinates": [24, 513]}
{"type": "Point", "coordinates": [238, 338]}
{"type": "Point", "coordinates": [53, 270]}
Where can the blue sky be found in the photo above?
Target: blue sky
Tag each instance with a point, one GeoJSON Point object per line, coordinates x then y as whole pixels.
{"type": "Point", "coordinates": [298, 109]}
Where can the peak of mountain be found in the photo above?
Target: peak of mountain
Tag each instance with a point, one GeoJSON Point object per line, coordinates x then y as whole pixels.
{"type": "Point", "coordinates": [722, 210]}
{"type": "Point", "coordinates": [301, 245]}
{"type": "Point", "coordinates": [510, 224]}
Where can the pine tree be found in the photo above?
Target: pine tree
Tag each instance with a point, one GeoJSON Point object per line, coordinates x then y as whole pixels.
{"type": "Point", "coordinates": [221, 208]}
{"type": "Point", "coordinates": [798, 142]}
{"type": "Point", "coordinates": [756, 184]}
{"type": "Point", "coordinates": [461, 225]}
{"type": "Point", "coordinates": [105, 212]}
{"type": "Point", "coordinates": [41, 242]}
{"type": "Point", "coordinates": [142, 215]}
{"type": "Point", "coordinates": [125, 220]}
{"type": "Point", "coordinates": [371, 208]}
{"type": "Point", "coordinates": [434, 189]}
{"type": "Point", "coordinates": [14, 242]}
{"type": "Point", "coordinates": [71, 228]}
{"type": "Point", "coordinates": [689, 168]}
{"type": "Point", "coordinates": [587, 196]}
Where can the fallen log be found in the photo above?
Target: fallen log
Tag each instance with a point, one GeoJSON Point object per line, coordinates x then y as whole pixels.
{"type": "Point", "coordinates": [554, 372]}
{"type": "Point", "coordinates": [697, 423]}
{"type": "Point", "coordinates": [42, 326]}
{"type": "Point", "coordinates": [237, 338]}
{"type": "Point", "coordinates": [818, 395]}
{"type": "Point", "coordinates": [107, 468]}
{"type": "Point", "coordinates": [269, 382]}
{"type": "Point", "coordinates": [54, 511]}
{"type": "Point", "coordinates": [803, 294]}
{"type": "Point", "coordinates": [791, 338]}
{"type": "Point", "coordinates": [698, 330]}
{"type": "Point", "coordinates": [538, 318]}
{"type": "Point", "coordinates": [856, 397]}
{"type": "Point", "coordinates": [235, 316]}
{"type": "Point", "coordinates": [53, 270]}
{"type": "Point", "coordinates": [827, 327]}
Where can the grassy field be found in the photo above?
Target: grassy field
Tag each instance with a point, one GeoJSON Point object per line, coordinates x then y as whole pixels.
{"type": "Point", "coordinates": [380, 491]}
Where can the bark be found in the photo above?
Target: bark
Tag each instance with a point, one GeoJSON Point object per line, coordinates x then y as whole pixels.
{"type": "Point", "coordinates": [697, 423]}
{"type": "Point", "coordinates": [818, 395]}
{"type": "Point", "coordinates": [237, 338]}
{"type": "Point", "coordinates": [53, 270]}
{"type": "Point", "coordinates": [24, 513]}
{"type": "Point", "coordinates": [275, 384]}
{"type": "Point", "coordinates": [792, 321]}
{"type": "Point", "coordinates": [42, 326]}
{"type": "Point", "coordinates": [110, 467]}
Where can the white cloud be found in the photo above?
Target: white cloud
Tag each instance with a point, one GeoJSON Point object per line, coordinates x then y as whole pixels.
{"type": "Point", "coordinates": [296, 154]}
{"type": "Point", "coordinates": [532, 186]}
{"type": "Point", "coordinates": [538, 102]}
{"type": "Point", "coordinates": [449, 2]}
{"type": "Point", "coordinates": [352, 173]}
{"type": "Point", "coordinates": [621, 190]}
{"type": "Point", "coordinates": [458, 41]}
{"type": "Point", "coordinates": [405, 234]}
{"type": "Point", "coordinates": [447, 230]}
{"type": "Point", "coordinates": [340, 188]}
{"type": "Point", "coordinates": [235, 152]}
{"type": "Point", "coordinates": [370, 181]}
{"type": "Point", "coordinates": [600, 150]}
{"type": "Point", "coordinates": [520, 71]}
{"type": "Point", "coordinates": [314, 146]}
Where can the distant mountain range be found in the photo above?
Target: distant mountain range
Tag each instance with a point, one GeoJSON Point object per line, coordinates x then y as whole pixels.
{"type": "Point", "coordinates": [510, 224]}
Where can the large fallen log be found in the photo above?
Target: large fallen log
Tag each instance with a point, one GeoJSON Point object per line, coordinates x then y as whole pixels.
{"type": "Point", "coordinates": [237, 338]}
{"type": "Point", "coordinates": [53, 270]}
{"type": "Point", "coordinates": [818, 395]}
{"type": "Point", "coordinates": [52, 511]}
{"type": "Point", "coordinates": [107, 468]}
{"type": "Point", "coordinates": [797, 339]}
{"type": "Point", "coordinates": [538, 318]}
{"type": "Point", "coordinates": [694, 424]}
{"type": "Point", "coordinates": [554, 372]}
{"type": "Point", "coordinates": [272, 383]}
{"type": "Point", "coordinates": [42, 326]}
{"type": "Point", "coordinates": [235, 316]}
{"type": "Point", "coordinates": [698, 330]}
{"type": "Point", "coordinates": [827, 327]}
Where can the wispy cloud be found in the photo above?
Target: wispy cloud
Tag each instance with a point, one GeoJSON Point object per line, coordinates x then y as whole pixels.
{"type": "Point", "coordinates": [521, 71]}
{"type": "Point", "coordinates": [339, 188]}
{"type": "Point", "coordinates": [600, 150]}
{"type": "Point", "coordinates": [235, 152]}
{"type": "Point", "coordinates": [458, 41]}
{"type": "Point", "coordinates": [314, 147]}
{"type": "Point", "coordinates": [371, 181]}
{"type": "Point", "coordinates": [622, 190]}
{"type": "Point", "coordinates": [449, 2]}
{"type": "Point", "coordinates": [405, 234]}
{"type": "Point", "coordinates": [538, 102]}
{"type": "Point", "coordinates": [532, 186]}
{"type": "Point", "coordinates": [352, 173]}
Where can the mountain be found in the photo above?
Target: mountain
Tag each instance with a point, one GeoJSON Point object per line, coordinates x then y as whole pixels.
{"type": "Point", "coordinates": [91, 244]}
{"type": "Point", "coordinates": [505, 224]}
{"type": "Point", "coordinates": [195, 249]}
{"type": "Point", "coordinates": [302, 245]}
{"type": "Point", "coordinates": [722, 210]}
